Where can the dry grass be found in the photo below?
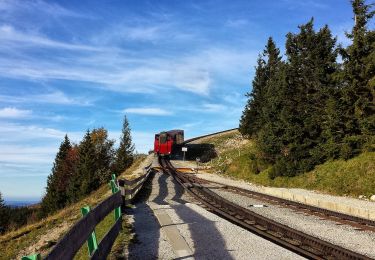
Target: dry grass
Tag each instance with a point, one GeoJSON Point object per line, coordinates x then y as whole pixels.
{"type": "Point", "coordinates": [41, 236]}
{"type": "Point", "coordinates": [238, 159]}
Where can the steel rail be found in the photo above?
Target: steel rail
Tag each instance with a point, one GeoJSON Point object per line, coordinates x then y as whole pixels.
{"type": "Point", "coordinates": [291, 239]}
{"type": "Point", "coordinates": [342, 218]}
{"type": "Point", "coordinates": [208, 135]}
{"type": "Point", "coordinates": [356, 222]}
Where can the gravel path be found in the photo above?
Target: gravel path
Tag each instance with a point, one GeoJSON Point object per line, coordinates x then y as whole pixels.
{"type": "Point", "coordinates": [208, 236]}
{"type": "Point", "coordinates": [346, 236]}
{"type": "Point", "coordinates": [149, 243]}
{"type": "Point", "coordinates": [351, 202]}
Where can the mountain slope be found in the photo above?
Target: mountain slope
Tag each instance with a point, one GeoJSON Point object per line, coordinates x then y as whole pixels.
{"type": "Point", "coordinates": [239, 158]}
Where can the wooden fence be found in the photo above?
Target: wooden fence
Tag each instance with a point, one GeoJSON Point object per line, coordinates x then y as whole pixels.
{"type": "Point", "coordinates": [84, 230]}
{"type": "Point", "coordinates": [130, 188]}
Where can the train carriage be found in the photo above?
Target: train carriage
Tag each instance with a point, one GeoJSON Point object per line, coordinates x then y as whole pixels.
{"type": "Point", "coordinates": [167, 143]}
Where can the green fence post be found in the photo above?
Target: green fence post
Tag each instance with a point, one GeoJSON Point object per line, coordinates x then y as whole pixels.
{"type": "Point", "coordinates": [32, 257]}
{"type": "Point", "coordinates": [115, 189]}
{"type": "Point", "coordinates": [92, 244]}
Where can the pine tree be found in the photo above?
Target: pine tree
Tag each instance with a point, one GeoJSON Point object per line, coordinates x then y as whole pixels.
{"type": "Point", "coordinates": [249, 123]}
{"type": "Point", "coordinates": [359, 73]}
{"type": "Point", "coordinates": [104, 154]}
{"type": "Point", "coordinates": [310, 71]}
{"type": "Point", "coordinates": [4, 215]}
{"type": "Point", "coordinates": [85, 178]}
{"type": "Point", "coordinates": [125, 152]}
{"type": "Point", "coordinates": [252, 119]}
{"type": "Point", "coordinates": [58, 181]}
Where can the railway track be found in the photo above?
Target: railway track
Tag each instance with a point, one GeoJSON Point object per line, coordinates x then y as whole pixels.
{"type": "Point", "coordinates": [294, 240]}
{"type": "Point", "coordinates": [340, 218]}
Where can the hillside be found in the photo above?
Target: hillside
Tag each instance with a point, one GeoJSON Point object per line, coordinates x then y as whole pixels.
{"type": "Point", "coordinates": [239, 158]}
{"type": "Point", "coordinates": [41, 236]}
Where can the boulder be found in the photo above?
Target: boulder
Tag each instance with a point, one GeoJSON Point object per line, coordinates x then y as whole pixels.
{"type": "Point", "coordinates": [372, 198]}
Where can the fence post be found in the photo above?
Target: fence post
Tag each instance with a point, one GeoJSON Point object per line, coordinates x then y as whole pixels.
{"type": "Point", "coordinates": [114, 178]}
{"type": "Point", "coordinates": [32, 257]}
{"type": "Point", "coordinates": [121, 184]}
{"type": "Point", "coordinates": [115, 189]}
{"type": "Point", "coordinates": [92, 243]}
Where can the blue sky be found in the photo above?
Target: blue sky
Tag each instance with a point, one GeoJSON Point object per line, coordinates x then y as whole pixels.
{"type": "Point", "coordinates": [66, 66]}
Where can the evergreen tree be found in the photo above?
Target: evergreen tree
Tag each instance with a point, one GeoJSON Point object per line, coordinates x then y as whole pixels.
{"type": "Point", "coordinates": [58, 181]}
{"type": "Point", "coordinates": [252, 119]}
{"type": "Point", "coordinates": [249, 123]}
{"type": "Point", "coordinates": [104, 154]}
{"type": "Point", "coordinates": [125, 152]}
{"type": "Point", "coordinates": [310, 74]}
{"type": "Point", "coordinates": [4, 215]}
{"type": "Point", "coordinates": [85, 178]}
{"type": "Point", "coordinates": [268, 136]}
{"type": "Point", "coordinates": [359, 73]}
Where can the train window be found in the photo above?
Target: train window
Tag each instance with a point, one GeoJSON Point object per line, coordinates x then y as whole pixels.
{"type": "Point", "coordinates": [163, 138]}
{"type": "Point", "coordinates": [179, 138]}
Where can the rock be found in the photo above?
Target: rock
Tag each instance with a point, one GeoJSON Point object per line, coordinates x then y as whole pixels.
{"type": "Point", "coordinates": [372, 198]}
{"type": "Point", "coordinates": [361, 197]}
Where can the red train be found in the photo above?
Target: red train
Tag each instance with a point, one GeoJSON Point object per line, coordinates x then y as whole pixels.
{"type": "Point", "coordinates": [166, 143]}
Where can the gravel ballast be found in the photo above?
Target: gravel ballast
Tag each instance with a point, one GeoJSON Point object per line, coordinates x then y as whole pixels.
{"type": "Point", "coordinates": [208, 236]}
{"type": "Point", "coordinates": [343, 235]}
{"type": "Point", "coordinates": [351, 202]}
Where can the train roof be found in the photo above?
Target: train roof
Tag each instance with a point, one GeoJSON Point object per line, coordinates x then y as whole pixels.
{"type": "Point", "coordinates": [172, 132]}
{"type": "Point", "coordinates": [176, 131]}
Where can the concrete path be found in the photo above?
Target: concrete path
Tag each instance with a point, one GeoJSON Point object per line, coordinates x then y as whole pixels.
{"type": "Point", "coordinates": [171, 226]}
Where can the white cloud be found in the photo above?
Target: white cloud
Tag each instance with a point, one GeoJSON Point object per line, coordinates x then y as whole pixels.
{"type": "Point", "coordinates": [213, 107]}
{"type": "Point", "coordinates": [151, 111]}
{"type": "Point", "coordinates": [15, 39]}
{"type": "Point", "coordinates": [21, 133]}
{"type": "Point", "coordinates": [55, 97]}
{"type": "Point", "coordinates": [139, 33]}
{"type": "Point", "coordinates": [124, 70]}
{"type": "Point", "coordinates": [27, 154]}
{"type": "Point", "coordinates": [235, 23]}
{"type": "Point", "coordinates": [295, 4]}
{"type": "Point", "coordinates": [143, 141]}
{"type": "Point", "coordinates": [12, 112]}
{"type": "Point", "coordinates": [51, 9]}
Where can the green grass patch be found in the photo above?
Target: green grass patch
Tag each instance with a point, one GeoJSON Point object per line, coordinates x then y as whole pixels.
{"type": "Point", "coordinates": [39, 237]}
{"type": "Point", "coordinates": [353, 177]}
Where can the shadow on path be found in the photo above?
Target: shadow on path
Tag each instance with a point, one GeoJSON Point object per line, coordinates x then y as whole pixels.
{"type": "Point", "coordinates": [145, 244]}
{"type": "Point", "coordinates": [178, 192]}
{"type": "Point", "coordinates": [163, 189]}
{"type": "Point", "coordinates": [208, 241]}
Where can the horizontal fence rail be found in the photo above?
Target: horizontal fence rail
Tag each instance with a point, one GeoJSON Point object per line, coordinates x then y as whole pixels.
{"type": "Point", "coordinates": [130, 188]}
{"type": "Point", "coordinates": [84, 230]}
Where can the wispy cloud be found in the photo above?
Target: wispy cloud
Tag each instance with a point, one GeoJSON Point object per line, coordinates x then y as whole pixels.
{"type": "Point", "coordinates": [213, 107]}
{"type": "Point", "coordinates": [14, 113]}
{"type": "Point", "coordinates": [32, 6]}
{"type": "Point", "coordinates": [294, 4]}
{"type": "Point", "coordinates": [24, 133]}
{"type": "Point", "coordinates": [55, 97]}
{"type": "Point", "coordinates": [10, 37]}
{"type": "Point", "coordinates": [151, 111]}
{"type": "Point", "coordinates": [236, 23]}
{"type": "Point", "coordinates": [193, 73]}
{"type": "Point", "coordinates": [27, 154]}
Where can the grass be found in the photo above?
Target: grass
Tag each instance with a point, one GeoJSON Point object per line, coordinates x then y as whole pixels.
{"type": "Point", "coordinates": [353, 177]}
{"type": "Point", "coordinates": [41, 236]}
